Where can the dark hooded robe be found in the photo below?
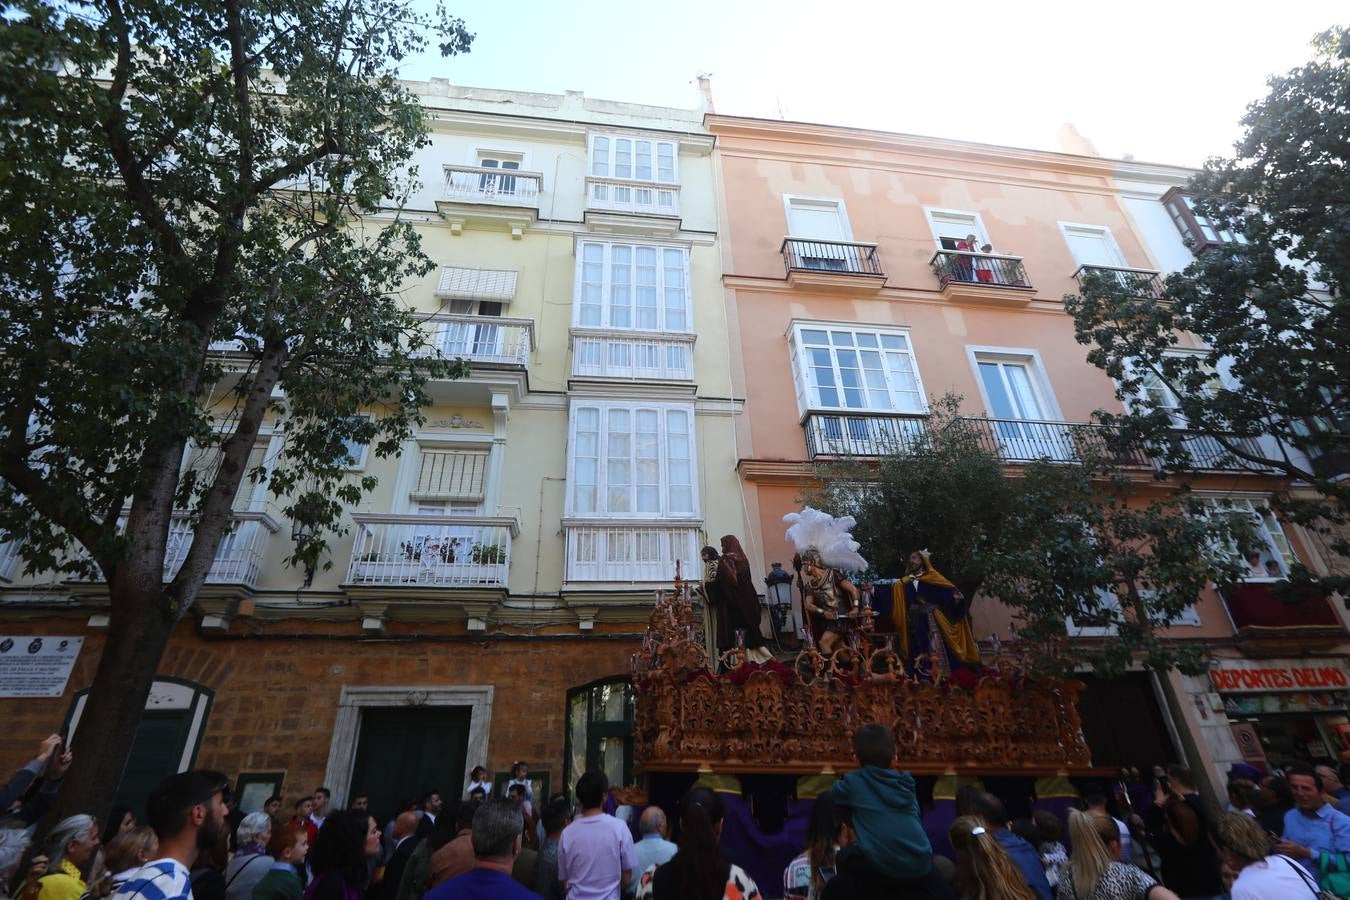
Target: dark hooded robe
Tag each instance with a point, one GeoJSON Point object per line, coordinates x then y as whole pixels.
{"type": "Point", "coordinates": [738, 593]}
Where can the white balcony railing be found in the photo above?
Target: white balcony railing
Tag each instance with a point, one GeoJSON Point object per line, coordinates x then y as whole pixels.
{"type": "Point", "coordinates": [484, 339]}
{"type": "Point", "coordinates": [499, 187]}
{"type": "Point", "coordinates": [630, 552]}
{"type": "Point", "coordinates": [9, 558]}
{"type": "Point", "coordinates": [238, 558]}
{"type": "Point", "coordinates": [601, 353]}
{"type": "Point", "coordinates": [620, 195]}
{"type": "Point", "coordinates": [431, 551]}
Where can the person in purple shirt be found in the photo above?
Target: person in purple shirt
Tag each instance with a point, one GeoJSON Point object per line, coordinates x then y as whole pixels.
{"type": "Point", "coordinates": [498, 828]}
{"type": "Point", "coordinates": [595, 854]}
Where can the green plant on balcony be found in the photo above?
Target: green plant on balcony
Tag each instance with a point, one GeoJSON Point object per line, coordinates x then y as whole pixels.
{"type": "Point", "coordinates": [488, 554]}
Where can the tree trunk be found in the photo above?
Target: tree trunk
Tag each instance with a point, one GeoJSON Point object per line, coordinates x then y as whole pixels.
{"type": "Point", "coordinates": [137, 636]}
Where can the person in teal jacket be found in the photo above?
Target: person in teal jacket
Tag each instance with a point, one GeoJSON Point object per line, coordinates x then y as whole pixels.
{"type": "Point", "coordinates": [884, 809]}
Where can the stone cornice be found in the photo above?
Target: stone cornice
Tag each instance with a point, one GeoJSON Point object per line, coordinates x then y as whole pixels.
{"type": "Point", "coordinates": [732, 128]}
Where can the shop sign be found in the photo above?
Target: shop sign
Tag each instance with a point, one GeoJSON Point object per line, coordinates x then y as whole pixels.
{"type": "Point", "coordinates": [32, 666]}
{"type": "Point", "coordinates": [1244, 679]}
{"type": "Point", "coordinates": [1249, 744]}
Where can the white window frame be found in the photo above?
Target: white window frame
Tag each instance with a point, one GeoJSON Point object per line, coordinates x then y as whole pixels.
{"type": "Point", "coordinates": [1028, 356]}
{"type": "Point", "coordinates": [606, 282]}
{"type": "Point", "coordinates": [1255, 502]}
{"type": "Point", "coordinates": [605, 406]}
{"type": "Point", "coordinates": [808, 393]}
{"type": "Point", "coordinates": [1104, 231]}
{"type": "Point", "coordinates": [1141, 396]}
{"type": "Point", "coordinates": [804, 200]}
{"type": "Point", "coordinates": [1189, 618]}
{"type": "Point", "coordinates": [613, 136]}
{"type": "Point", "coordinates": [977, 223]}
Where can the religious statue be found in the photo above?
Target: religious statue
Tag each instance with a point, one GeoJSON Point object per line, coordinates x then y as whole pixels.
{"type": "Point", "coordinates": [932, 619]}
{"type": "Point", "coordinates": [737, 588]}
{"type": "Point", "coordinates": [825, 551]}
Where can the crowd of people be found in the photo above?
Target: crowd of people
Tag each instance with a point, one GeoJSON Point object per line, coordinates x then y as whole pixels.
{"type": "Point", "coordinates": [1282, 838]}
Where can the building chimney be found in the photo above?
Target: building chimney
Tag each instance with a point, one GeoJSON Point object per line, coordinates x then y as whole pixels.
{"type": "Point", "coordinates": [1070, 141]}
{"type": "Point", "coordinates": [705, 89]}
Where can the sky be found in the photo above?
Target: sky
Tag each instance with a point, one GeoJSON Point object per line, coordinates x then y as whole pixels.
{"type": "Point", "coordinates": [1161, 81]}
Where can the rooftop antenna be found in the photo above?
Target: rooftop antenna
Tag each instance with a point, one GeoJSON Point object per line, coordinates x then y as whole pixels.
{"type": "Point", "coordinates": [779, 100]}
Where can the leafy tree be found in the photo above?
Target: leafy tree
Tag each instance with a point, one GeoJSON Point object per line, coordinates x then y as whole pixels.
{"type": "Point", "coordinates": [1270, 306]}
{"type": "Point", "coordinates": [177, 174]}
{"type": "Point", "coordinates": [1058, 540]}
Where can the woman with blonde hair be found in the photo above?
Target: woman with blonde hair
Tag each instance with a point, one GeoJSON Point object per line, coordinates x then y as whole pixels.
{"type": "Point", "coordinates": [1261, 875]}
{"type": "Point", "coordinates": [984, 870]}
{"type": "Point", "coordinates": [1094, 870]}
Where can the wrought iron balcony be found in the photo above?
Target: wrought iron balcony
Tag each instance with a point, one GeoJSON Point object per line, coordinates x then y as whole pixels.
{"type": "Point", "coordinates": [1020, 441]}
{"type": "Point", "coordinates": [496, 187]}
{"type": "Point", "coordinates": [431, 551]}
{"type": "Point", "coordinates": [831, 257]}
{"type": "Point", "coordinates": [978, 269]}
{"type": "Point", "coordinates": [1138, 282]}
{"type": "Point", "coordinates": [632, 552]}
{"type": "Point", "coordinates": [623, 195]}
{"type": "Point", "coordinates": [866, 434]}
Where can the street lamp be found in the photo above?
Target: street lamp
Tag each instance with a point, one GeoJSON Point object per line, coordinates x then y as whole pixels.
{"type": "Point", "coordinates": [779, 593]}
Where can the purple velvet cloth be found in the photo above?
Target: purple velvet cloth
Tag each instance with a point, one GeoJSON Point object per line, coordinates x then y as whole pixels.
{"type": "Point", "coordinates": [937, 822]}
{"type": "Point", "coordinates": [763, 856]}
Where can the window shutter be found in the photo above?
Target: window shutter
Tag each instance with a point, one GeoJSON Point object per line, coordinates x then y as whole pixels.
{"type": "Point", "coordinates": [460, 283]}
{"type": "Point", "coordinates": [451, 475]}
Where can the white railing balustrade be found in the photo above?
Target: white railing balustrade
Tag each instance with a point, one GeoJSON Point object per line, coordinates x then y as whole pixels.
{"type": "Point", "coordinates": [484, 339]}
{"type": "Point", "coordinates": [9, 558]}
{"type": "Point", "coordinates": [500, 187]}
{"type": "Point", "coordinates": [599, 353]}
{"type": "Point", "coordinates": [620, 195]}
{"type": "Point", "coordinates": [630, 553]}
{"type": "Point", "coordinates": [238, 559]}
{"type": "Point", "coordinates": [431, 551]}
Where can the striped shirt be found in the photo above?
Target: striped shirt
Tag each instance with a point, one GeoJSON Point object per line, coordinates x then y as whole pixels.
{"type": "Point", "coordinates": [163, 879]}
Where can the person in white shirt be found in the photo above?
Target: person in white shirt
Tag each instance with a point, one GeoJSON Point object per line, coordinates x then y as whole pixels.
{"type": "Point", "coordinates": [1261, 875]}
{"type": "Point", "coordinates": [319, 812]}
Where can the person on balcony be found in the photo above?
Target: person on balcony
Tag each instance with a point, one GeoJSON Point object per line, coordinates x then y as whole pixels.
{"type": "Point", "coordinates": [742, 601]}
{"type": "Point", "coordinates": [984, 266]}
{"type": "Point", "coordinates": [965, 268]}
{"type": "Point", "coordinates": [932, 620]}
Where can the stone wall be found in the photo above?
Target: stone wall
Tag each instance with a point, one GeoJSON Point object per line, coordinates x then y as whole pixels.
{"type": "Point", "coordinates": [277, 686]}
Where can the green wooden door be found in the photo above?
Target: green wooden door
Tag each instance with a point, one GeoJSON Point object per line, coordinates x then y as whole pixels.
{"type": "Point", "coordinates": [155, 753]}
{"type": "Point", "coordinates": [405, 751]}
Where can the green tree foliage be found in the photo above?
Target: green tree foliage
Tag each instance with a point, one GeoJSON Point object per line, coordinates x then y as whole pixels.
{"type": "Point", "coordinates": [177, 174]}
{"type": "Point", "coordinates": [1271, 309]}
{"type": "Point", "coordinates": [1055, 541]}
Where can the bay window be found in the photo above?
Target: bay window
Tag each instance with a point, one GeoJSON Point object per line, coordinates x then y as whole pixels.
{"type": "Point", "coordinates": [1262, 545]}
{"type": "Point", "coordinates": [632, 460]}
{"type": "Point", "coordinates": [634, 159]}
{"type": "Point", "coordinates": [637, 287]}
{"type": "Point", "coordinates": [836, 367]}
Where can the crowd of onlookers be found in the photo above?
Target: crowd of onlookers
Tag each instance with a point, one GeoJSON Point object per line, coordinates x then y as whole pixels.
{"type": "Point", "coordinates": [1282, 838]}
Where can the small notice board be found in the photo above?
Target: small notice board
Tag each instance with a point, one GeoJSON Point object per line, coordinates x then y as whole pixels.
{"type": "Point", "coordinates": [36, 665]}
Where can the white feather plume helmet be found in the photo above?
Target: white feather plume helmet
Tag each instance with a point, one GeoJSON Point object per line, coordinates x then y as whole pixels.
{"type": "Point", "coordinates": [812, 529]}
